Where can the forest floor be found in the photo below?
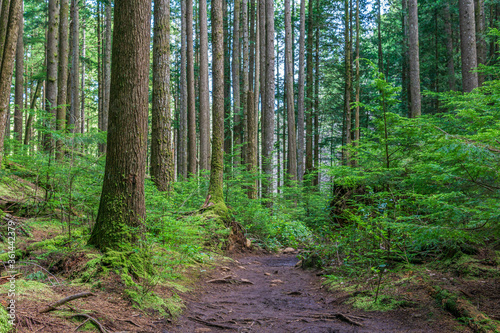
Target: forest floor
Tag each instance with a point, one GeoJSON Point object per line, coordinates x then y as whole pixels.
{"type": "Point", "coordinates": [268, 293]}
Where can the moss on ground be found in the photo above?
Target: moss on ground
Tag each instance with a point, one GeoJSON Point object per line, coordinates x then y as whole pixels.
{"type": "Point", "coordinates": [5, 326]}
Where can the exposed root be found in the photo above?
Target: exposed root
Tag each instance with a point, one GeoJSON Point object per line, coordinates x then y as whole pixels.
{"type": "Point", "coordinates": [54, 306]}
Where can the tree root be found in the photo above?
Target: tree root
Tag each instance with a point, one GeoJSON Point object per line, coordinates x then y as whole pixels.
{"type": "Point", "coordinates": [92, 319]}
{"type": "Point", "coordinates": [54, 306]}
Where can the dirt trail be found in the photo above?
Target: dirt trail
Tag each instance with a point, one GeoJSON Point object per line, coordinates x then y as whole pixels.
{"type": "Point", "coordinates": [268, 294]}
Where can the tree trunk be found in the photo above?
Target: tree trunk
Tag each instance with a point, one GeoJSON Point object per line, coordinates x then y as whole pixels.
{"type": "Point", "coordinates": [82, 109]}
{"type": "Point", "coordinates": [268, 110]}
{"type": "Point", "coordinates": [348, 87]}
{"type": "Point", "coordinates": [191, 111]}
{"type": "Point", "coordinates": [204, 93]}
{"type": "Point", "coordinates": [29, 121]}
{"type": "Point", "coordinates": [236, 81]}
{"type": "Point", "coordinates": [301, 93]}
{"type": "Point", "coordinates": [481, 46]}
{"type": "Point", "coordinates": [245, 75]}
{"type": "Point", "coordinates": [106, 72]}
{"type": "Point", "coordinates": [468, 45]}
{"type": "Point", "coordinates": [228, 146]}
{"type": "Point", "coordinates": [19, 102]}
{"type": "Point", "coordinates": [62, 73]}
{"type": "Point", "coordinates": [292, 140]}
{"type": "Point", "coordinates": [51, 82]}
{"type": "Point", "coordinates": [122, 207]}
{"type": "Point", "coordinates": [183, 118]}
{"type": "Point", "coordinates": [316, 95]}
{"type": "Point", "coordinates": [75, 118]}
{"type": "Point", "coordinates": [356, 116]}
{"type": "Point", "coordinates": [217, 163]}
{"type": "Point", "coordinates": [415, 105]}
{"type": "Point", "coordinates": [162, 161]}
{"type": "Point", "coordinates": [450, 64]}
{"type": "Point", "coordinates": [379, 37]}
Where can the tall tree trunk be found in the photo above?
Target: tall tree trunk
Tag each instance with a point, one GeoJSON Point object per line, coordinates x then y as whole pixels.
{"type": "Point", "coordinates": [99, 72]}
{"type": "Point", "coordinates": [82, 109]}
{"type": "Point", "coordinates": [228, 143]}
{"type": "Point", "coordinates": [405, 71]}
{"type": "Point", "coordinates": [191, 106]}
{"type": "Point", "coordinates": [122, 207]}
{"type": "Point", "coordinates": [18, 108]}
{"type": "Point", "coordinates": [301, 93]}
{"type": "Point", "coordinates": [348, 86]}
{"type": "Point", "coordinates": [292, 139]}
{"type": "Point", "coordinates": [183, 118]}
{"type": "Point", "coordinates": [481, 46]}
{"type": "Point", "coordinates": [263, 83]}
{"type": "Point", "coordinates": [29, 122]}
{"type": "Point", "coordinates": [468, 45]}
{"type": "Point", "coordinates": [217, 163]}
{"type": "Point", "coordinates": [204, 93]}
{"type": "Point", "coordinates": [356, 115]}
{"type": "Point", "coordinates": [236, 80]}
{"type": "Point", "coordinates": [75, 118]}
{"type": "Point", "coordinates": [415, 106]}
{"type": "Point", "coordinates": [162, 160]}
{"type": "Point", "coordinates": [51, 82]}
{"type": "Point", "coordinates": [450, 63]}
{"type": "Point", "coordinates": [106, 72]}
{"type": "Point", "coordinates": [268, 110]}
{"type": "Point", "coordinates": [62, 73]}
{"type": "Point", "coordinates": [316, 94]}
{"type": "Point", "coordinates": [379, 37]}
{"type": "Point", "coordinates": [245, 75]}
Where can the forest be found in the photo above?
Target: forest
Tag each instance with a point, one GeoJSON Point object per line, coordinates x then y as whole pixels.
{"type": "Point", "coordinates": [249, 166]}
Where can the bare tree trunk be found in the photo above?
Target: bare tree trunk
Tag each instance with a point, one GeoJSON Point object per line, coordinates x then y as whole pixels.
{"type": "Point", "coordinates": [450, 64]}
{"type": "Point", "coordinates": [18, 107]}
{"type": "Point", "coordinates": [405, 71]}
{"type": "Point", "coordinates": [356, 116]}
{"type": "Point", "coordinates": [316, 95]}
{"type": "Point", "coordinates": [51, 82]}
{"type": "Point", "coordinates": [191, 111]}
{"type": "Point", "coordinates": [75, 118]}
{"type": "Point", "coordinates": [415, 106]}
{"type": "Point", "coordinates": [292, 140]}
{"type": "Point", "coordinates": [106, 73]}
{"type": "Point", "coordinates": [82, 109]}
{"type": "Point", "coordinates": [162, 160]}
{"type": "Point", "coordinates": [122, 207]}
{"type": "Point", "coordinates": [217, 163]}
{"type": "Point", "coordinates": [245, 75]}
{"type": "Point", "coordinates": [468, 45]}
{"type": "Point", "coordinates": [268, 110]}
{"type": "Point", "coordinates": [301, 93]}
{"type": "Point", "coordinates": [62, 74]}
{"type": "Point", "coordinates": [379, 39]}
{"type": "Point", "coordinates": [236, 80]}
{"type": "Point", "coordinates": [481, 46]}
{"type": "Point", "coordinates": [204, 93]}
{"type": "Point", "coordinates": [28, 129]}
{"type": "Point", "coordinates": [228, 143]}
{"type": "Point", "coordinates": [183, 128]}
{"type": "Point", "coordinates": [348, 87]}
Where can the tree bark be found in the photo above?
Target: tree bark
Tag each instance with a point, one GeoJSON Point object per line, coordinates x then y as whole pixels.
{"type": "Point", "coordinates": [106, 72]}
{"type": "Point", "coordinates": [415, 105]}
{"type": "Point", "coordinates": [481, 46]}
{"type": "Point", "coordinates": [292, 139]}
{"type": "Point", "coordinates": [301, 93]}
{"type": "Point", "coordinates": [19, 100]}
{"type": "Point", "coordinates": [236, 81]}
{"type": "Point", "coordinates": [316, 93]}
{"type": "Point", "coordinates": [468, 45]}
{"type": "Point", "coordinates": [268, 110]}
{"type": "Point", "coordinates": [183, 118]}
{"type": "Point", "coordinates": [217, 163]}
{"type": "Point", "coordinates": [82, 109]}
{"type": "Point", "coordinates": [191, 111]}
{"type": "Point", "coordinates": [75, 118]}
{"type": "Point", "coordinates": [245, 75]}
{"type": "Point", "coordinates": [310, 89]}
{"type": "Point", "coordinates": [228, 143]}
{"type": "Point", "coordinates": [162, 160]}
{"type": "Point", "coordinates": [356, 115]}
{"type": "Point", "coordinates": [51, 82]}
{"type": "Point", "coordinates": [379, 37]}
{"type": "Point", "coordinates": [450, 63]}
{"type": "Point", "coordinates": [62, 73]}
{"type": "Point", "coordinates": [122, 207]}
{"type": "Point", "coordinates": [204, 94]}
{"type": "Point", "coordinates": [347, 87]}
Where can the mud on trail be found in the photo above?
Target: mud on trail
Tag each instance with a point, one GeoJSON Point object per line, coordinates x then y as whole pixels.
{"type": "Point", "coordinates": [267, 293]}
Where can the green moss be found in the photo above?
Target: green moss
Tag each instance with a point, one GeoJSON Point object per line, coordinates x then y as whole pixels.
{"type": "Point", "coordinates": [5, 326]}
{"type": "Point", "coordinates": [384, 303]}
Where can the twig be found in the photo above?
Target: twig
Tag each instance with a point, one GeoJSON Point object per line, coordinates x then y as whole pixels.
{"type": "Point", "coordinates": [207, 323]}
{"type": "Point", "coordinates": [53, 306]}
{"type": "Point", "coordinates": [92, 319]}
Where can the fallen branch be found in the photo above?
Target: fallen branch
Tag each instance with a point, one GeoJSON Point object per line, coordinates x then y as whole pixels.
{"type": "Point", "coordinates": [207, 323]}
{"type": "Point", "coordinates": [92, 319]}
{"type": "Point", "coordinates": [53, 306]}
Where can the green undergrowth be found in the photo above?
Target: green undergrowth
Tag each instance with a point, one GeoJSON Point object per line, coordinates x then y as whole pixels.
{"type": "Point", "coordinates": [5, 326]}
